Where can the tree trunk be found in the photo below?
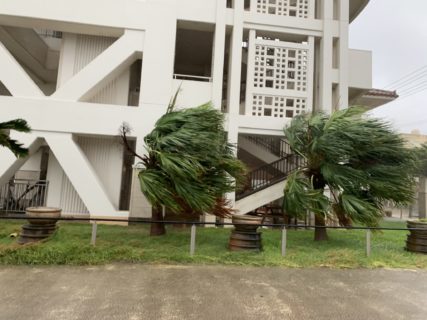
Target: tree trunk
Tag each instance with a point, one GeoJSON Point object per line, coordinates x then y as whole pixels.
{"type": "Point", "coordinates": [157, 229]}
{"type": "Point", "coordinates": [320, 234]}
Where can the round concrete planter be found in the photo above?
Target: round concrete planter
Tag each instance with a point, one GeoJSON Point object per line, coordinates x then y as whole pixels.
{"type": "Point", "coordinates": [246, 222]}
{"type": "Point", "coordinates": [245, 237]}
{"type": "Point", "coordinates": [51, 215]}
{"type": "Point", "coordinates": [39, 229]}
{"type": "Point", "coordinates": [417, 239]}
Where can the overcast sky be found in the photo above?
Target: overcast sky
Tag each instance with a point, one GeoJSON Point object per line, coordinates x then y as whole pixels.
{"type": "Point", "coordinates": [396, 33]}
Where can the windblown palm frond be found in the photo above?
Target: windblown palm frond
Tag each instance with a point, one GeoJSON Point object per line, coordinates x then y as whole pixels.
{"type": "Point", "coordinates": [300, 196]}
{"type": "Point", "coordinates": [12, 144]}
{"type": "Point", "coordinates": [361, 160]}
{"type": "Point", "coordinates": [189, 164]}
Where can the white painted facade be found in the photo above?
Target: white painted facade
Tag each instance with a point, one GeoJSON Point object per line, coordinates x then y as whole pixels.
{"type": "Point", "coordinates": [112, 61]}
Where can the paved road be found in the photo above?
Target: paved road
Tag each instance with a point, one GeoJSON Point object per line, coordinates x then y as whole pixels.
{"type": "Point", "coordinates": [208, 292]}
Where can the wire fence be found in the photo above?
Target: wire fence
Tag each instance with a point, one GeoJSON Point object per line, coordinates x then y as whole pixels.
{"type": "Point", "coordinates": [284, 227]}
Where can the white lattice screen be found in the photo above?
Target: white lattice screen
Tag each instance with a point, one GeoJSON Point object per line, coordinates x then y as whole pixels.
{"type": "Point", "coordinates": [292, 8]}
{"type": "Point", "coordinates": [280, 68]}
{"type": "Point", "coordinates": [277, 106]}
{"type": "Point", "coordinates": [278, 84]}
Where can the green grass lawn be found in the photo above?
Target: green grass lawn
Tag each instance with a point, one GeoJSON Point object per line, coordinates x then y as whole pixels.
{"type": "Point", "coordinates": [71, 246]}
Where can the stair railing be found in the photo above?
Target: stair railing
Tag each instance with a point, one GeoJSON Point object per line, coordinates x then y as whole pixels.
{"type": "Point", "coordinates": [274, 145]}
{"type": "Point", "coordinates": [270, 174]}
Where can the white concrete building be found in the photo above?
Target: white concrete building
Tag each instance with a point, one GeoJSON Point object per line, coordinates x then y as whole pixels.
{"type": "Point", "coordinates": [75, 70]}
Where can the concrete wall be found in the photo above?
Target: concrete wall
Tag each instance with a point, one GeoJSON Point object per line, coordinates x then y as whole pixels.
{"type": "Point", "coordinates": [192, 93]}
{"type": "Point", "coordinates": [360, 70]}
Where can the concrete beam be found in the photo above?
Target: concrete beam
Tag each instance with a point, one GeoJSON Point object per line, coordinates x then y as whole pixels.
{"type": "Point", "coordinates": [81, 174]}
{"type": "Point", "coordinates": [14, 77]}
{"type": "Point", "coordinates": [29, 49]}
{"type": "Point", "coordinates": [104, 68]}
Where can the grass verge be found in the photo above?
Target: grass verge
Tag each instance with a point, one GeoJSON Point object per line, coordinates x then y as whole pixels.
{"type": "Point", "coordinates": [71, 246]}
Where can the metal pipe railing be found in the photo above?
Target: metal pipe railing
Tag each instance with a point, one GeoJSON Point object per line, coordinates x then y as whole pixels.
{"type": "Point", "coordinates": [274, 145]}
{"type": "Point", "coordinates": [19, 194]}
{"type": "Point", "coordinates": [191, 77]}
{"type": "Point", "coordinates": [284, 227]}
{"type": "Point", "coordinates": [269, 174]}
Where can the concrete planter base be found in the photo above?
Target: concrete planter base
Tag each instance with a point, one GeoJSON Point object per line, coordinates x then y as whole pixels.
{"type": "Point", "coordinates": [417, 239]}
{"type": "Point", "coordinates": [38, 229]}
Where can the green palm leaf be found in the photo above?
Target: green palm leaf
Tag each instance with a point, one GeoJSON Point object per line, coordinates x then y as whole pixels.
{"type": "Point", "coordinates": [12, 144]}
{"type": "Point", "coordinates": [190, 165]}
{"type": "Point", "coordinates": [360, 159]}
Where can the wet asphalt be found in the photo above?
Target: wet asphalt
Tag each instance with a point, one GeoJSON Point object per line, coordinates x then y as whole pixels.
{"type": "Point", "coordinates": [140, 291]}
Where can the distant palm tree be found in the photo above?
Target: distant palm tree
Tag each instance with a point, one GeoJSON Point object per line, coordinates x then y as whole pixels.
{"type": "Point", "coordinates": [189, 164]}
{"type": "Point", "coordinates": [421, 153]}
{"type": "Point", "coordinates": [13, 145]}
{"type": "Point", "coordinates": [359, 160]}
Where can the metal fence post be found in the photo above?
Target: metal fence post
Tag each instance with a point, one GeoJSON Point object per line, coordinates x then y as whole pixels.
{"type": "Point", "coordinates": [193, 240]}
{"type": "Point", "coordinates": [94, 229]}
{"type": "Point", "coordinates": [368, 242]}
{"type": "Point", "coordinates": [284, 233]}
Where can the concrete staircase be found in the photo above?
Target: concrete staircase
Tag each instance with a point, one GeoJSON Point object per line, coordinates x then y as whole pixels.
{"type": "Point", "coordinates": [266, 183]}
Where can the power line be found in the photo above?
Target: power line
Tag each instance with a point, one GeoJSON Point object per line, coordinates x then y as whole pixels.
{"type": "Point", "coordinates": [409, 81]}
{"type": "Point", "coordinates": [413, 93]}
{"type": "Point", "coordinates": [409, 75]}
{"type": "Point", "coordinates": [417, 85]}
{"type": "Point", "coordinates": [419, 70]}
{"type": "Point", "coordinates": [416, 88]}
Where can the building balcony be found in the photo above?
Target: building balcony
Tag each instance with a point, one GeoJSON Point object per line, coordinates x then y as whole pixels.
{"type": "Point", "coordinates": [193, 90]}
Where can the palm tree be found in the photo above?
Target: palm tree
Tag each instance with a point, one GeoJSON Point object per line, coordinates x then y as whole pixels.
{"type": "Point", "coordinates": [13, 145]}
{"type": "Point", "coordinates": [421, 154]}
{"type": "Point", "coordinates": [189, 165]}
{"type": "Point", "coordinates": [353, 164]}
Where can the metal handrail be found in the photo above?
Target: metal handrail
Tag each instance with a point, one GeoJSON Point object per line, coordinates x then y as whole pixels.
{"type": "Point", "coordinates": [284, 227]}
{"type": "Point", "coordinates": [191, 77]}
{"type": "Point", "coordinates": [274, 145]}
{"type": "Point", "coordinates": [270, 174]}
{"type": "Point", "coordinates": [19, 194]}
{"type": "Point", "coordinates": [202, 223]}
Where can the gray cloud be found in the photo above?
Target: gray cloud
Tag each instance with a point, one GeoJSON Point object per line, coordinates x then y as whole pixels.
{"type": "Point", "coordinates": [396, 32]}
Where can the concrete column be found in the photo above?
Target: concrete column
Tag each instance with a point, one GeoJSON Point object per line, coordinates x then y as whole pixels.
{"type": "Point", "coordinates": [235, 62]}
{"type": "Point", "coordinates": [55, 174]}
{"type": "Point", "coordinates": [250, 72]}
{"type": "Point", "coordinates": [66, 58]}
{"type": "Point", "coordinates": [311, 9]}
{"type": "Point", "coordinates": [158, 57]}
{"type": "Point", "coordinates": [253, 7]}
{"type": "Point", "coordinates": [310, 74]}
{"type": "Point", "coordinates": [343, 53]}
{"type": "Point", "coordinates": [326, 45]}
{"type": "Point", "coordinates": [235, 65]}
{"type": "Point", "coordinates": [218, 69]}
{"type": "Point", "coordinates": [218, 54]}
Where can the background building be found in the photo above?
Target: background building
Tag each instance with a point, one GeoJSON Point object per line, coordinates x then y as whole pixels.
{"type": "Point", "coordinates": [75, 70]}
